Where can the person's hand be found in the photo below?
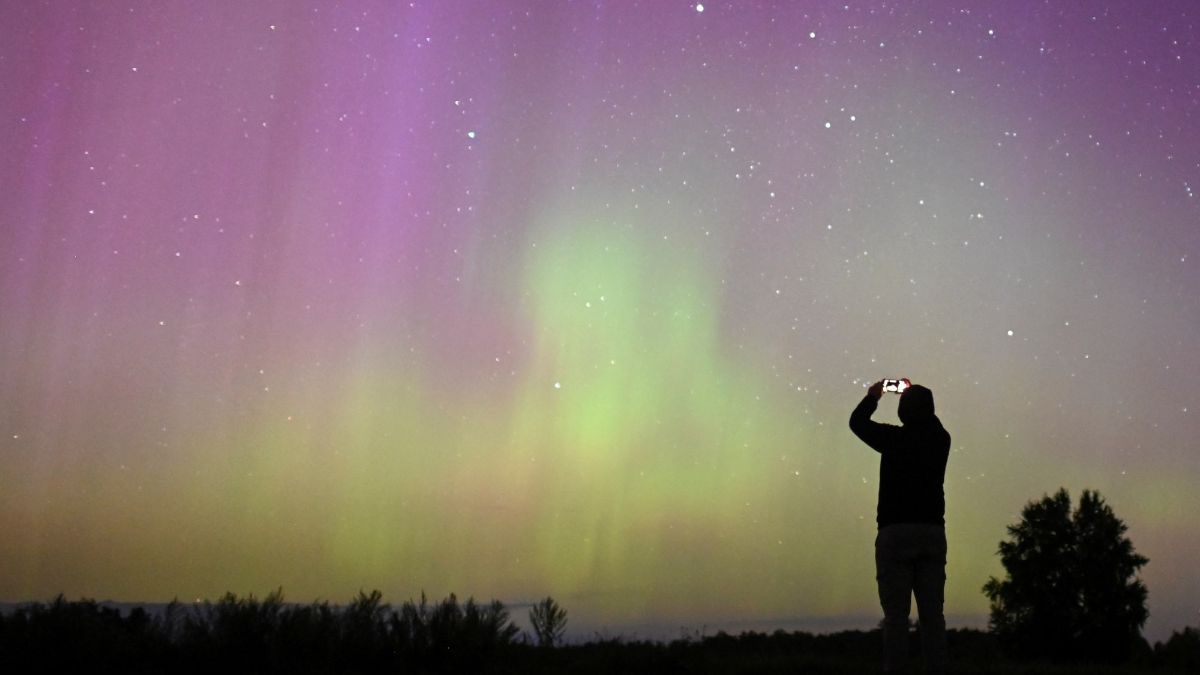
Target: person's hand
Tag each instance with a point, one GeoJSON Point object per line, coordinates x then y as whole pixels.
{"type": "Point", "coordinates": [876, 390]}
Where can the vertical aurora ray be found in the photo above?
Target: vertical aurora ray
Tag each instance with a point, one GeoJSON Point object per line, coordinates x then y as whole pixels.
{"type": "Point", "coordinates": [625, 353]}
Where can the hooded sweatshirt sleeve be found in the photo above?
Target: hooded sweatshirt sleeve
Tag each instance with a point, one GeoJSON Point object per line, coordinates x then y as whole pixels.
{"type": "Point", "coordinates": [881, 437]}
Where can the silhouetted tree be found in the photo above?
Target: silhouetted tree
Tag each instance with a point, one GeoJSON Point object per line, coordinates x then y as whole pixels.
{"type": "Point", "coordinates": [1071, 591]}
{"type": "Point", "coordinates": [549, 622]}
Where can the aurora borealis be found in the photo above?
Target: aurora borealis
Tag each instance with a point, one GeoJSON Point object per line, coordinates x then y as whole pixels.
{"type": "Point", "coordinates": [516, 299]}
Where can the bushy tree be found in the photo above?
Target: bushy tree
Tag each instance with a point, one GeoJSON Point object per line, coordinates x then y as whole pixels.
{"type": "Point", "coordinates": [1071, 592]}
{"type": "Point", "coordinates": [549, 622]}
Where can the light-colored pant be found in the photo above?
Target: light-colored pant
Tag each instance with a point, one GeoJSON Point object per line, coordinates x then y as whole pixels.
{"type": "Point", "coordinates": [910, 558]}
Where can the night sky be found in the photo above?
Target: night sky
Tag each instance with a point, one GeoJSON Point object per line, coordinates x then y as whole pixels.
{"type": "Point", "coordinates": [516, 299]}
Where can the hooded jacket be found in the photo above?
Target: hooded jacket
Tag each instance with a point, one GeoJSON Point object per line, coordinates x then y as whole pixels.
{"type": "Point", "coordinates": [912, 463]}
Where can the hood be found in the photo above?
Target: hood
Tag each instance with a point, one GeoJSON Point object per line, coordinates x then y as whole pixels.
{"type": "Point", "coordinates": [916, 405]}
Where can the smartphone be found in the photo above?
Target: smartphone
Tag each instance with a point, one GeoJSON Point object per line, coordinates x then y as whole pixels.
{"type": "Point", "coordinates": [896, 386]}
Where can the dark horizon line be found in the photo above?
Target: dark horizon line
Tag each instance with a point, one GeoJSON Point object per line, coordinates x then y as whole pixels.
{"type": "Point", "coordinates": [815, 624]}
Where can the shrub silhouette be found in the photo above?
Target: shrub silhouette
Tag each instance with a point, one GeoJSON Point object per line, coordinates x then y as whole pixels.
{"type": "Point", "coordinates": [1181, 651]}
{"type": "Point", "coordinates": [1071, 592]}
{"type": "Point", "coordinates": [70, 636]}
{"type": "Point", "coordinates": [249, 634]}
{"type": "Point", "coordinates": [549, 622]}
{"type": "Point", "coordinates": [448, 633]}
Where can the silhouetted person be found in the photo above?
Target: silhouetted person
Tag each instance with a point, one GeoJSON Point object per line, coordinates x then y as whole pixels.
{"type": "Point", "coordinates": [910, 549]}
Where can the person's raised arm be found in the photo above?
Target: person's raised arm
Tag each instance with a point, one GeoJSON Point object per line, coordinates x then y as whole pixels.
{"type": "Point", "coordinates": [880, 437]}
